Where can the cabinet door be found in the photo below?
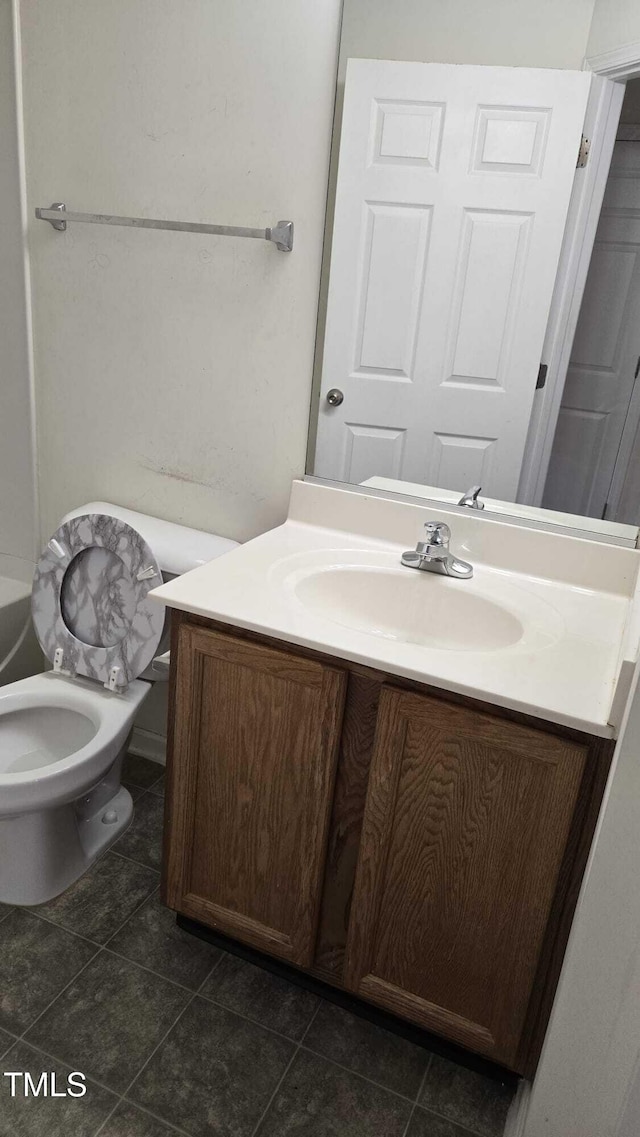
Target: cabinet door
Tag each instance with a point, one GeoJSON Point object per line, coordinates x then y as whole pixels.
{"type": "Point", "coordinates": [256, 736]}
{"type": "Point", "coordinates": [466, 822]}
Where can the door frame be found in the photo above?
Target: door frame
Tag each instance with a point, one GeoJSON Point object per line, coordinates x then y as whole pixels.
{"type": "Point", "coordinates": [603, 1028]}
{"type": "Point", "coordinates": [601, 124]}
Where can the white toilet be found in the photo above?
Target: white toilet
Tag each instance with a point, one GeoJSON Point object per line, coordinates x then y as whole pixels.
{"type": "Point", "coordinates": [63, 734]}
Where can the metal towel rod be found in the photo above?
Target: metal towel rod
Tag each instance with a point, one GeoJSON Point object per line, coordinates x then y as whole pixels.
{"type": "Point", "coordinates": [281, 235]}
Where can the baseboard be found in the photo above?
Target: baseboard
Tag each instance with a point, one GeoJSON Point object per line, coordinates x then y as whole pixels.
{"type": "Point", "coordinates": [517, 1116]}
{"type": "Point", "coordinates": [149, 745]}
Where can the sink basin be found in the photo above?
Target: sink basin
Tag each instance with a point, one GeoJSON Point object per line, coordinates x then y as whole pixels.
{"type": "Point", "coordinates": [410, 606]}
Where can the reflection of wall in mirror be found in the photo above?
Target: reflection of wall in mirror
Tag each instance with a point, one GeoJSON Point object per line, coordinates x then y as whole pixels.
{"type": "Point", "coordinates": [514, 33]}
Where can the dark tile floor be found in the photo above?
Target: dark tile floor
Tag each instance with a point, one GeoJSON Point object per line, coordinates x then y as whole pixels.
{"type": "Point", "coordinates": [177, 1036]}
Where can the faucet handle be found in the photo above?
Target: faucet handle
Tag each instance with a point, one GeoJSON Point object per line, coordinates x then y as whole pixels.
{"type": "Point", "coordinates": [437, 533]}
{"type": "Point", "coordinates": [471, 498]}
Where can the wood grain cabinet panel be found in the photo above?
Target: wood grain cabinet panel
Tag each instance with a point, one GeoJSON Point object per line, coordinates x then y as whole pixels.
{"type": "Point", "coordinates": [421, 850]}
{"type": "Point", "coordinates": [256, 734]}
{"type": "Point", "coordinates": [465, 827]}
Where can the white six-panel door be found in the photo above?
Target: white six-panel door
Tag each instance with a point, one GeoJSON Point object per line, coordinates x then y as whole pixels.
{"type": "Point", "coordinates": [598, 418]}
{"type": "Point", "coordinates": [452, 193]}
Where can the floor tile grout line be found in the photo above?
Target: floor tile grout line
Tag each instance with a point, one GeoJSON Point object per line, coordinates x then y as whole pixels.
{"type": "Point", "coordinates": [125, 1101]}
{"type": "Point", "coordinates": [307, 1049]}
{"type": "Point", "coordinates": [95, 943]}
{"type": "Point", "coordinates": [464, 1132]}
{"type": "Point", "coordinates": [149, 1113]}
{"type": "Point", "coordinates": [13, 1039]}
{"type": "Point", "coordinates": [100, 949]}
{"type": "Point", "coordinates": [120, 1097]}
{"type": "Point", "coordinates": [126, 857]}
{"type": "Point", "coordinates": [254, 1132]}
{"type": "Point", "coordinates": [407, 1127]}
{"type": "Point", "coordinates": [301, 1043]}
{"type": "Point", "coordinates": [101, 1085]}
{"type": "Point", "coordinates": [65, 1062]}
{"type": "Point", "coordinates": [254, 1022]}
{"type": "Point", "coordinates": [434, 1112]}
{"type": "Point", "coordinates": [127, 783]}
{"type": "Point", "coordinates": [123, 1096]}
{"type": "Point", "coordinates": [417, 1097]}
{"type": "Point", "coordinates": [197, 993]}
{"type": "Point", "coordinates": [296, 1051]}
{"type": "Point", "coordinates": [311, 1021]}
{"type": "Point", "coordinates": [62, 928]}
{"type": "Point", "coordinates": [285, 1071]}
{"type": "Point", "coordinates": [216, 963]}
{"type": "Point", "coordinates": [157, 1047]}
{"type": "Point", "coordinates": [149, 970]}
{"type": "Point", "coordinates": [424, 1076]}
{"type": "Point", "coordinates": [445, 1117]}
{"type": "Point", "coordinates": [357, 1074]}
{"type": "Point", "coordinates": [57, 996]}
{"type": "Point", "coordinates": [133, 913]}
{"type": "Point", "coordinates": [142, 966]}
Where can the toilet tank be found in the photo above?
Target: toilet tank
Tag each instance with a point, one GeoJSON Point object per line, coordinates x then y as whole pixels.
{"type": "Point", "coordinates": [177, 548]}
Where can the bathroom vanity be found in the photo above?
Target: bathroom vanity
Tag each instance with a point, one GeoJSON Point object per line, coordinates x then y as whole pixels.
{"type": "Point", "coordinates": [401, 810]}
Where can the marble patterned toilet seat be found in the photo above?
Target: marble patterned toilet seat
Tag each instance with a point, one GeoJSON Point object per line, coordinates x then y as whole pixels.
{"type": "Point", "coordinates": [89, 598]}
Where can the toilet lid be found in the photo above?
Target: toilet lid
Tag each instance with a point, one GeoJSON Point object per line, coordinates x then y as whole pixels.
{"type": "Point", "coordinates": [90, 599]}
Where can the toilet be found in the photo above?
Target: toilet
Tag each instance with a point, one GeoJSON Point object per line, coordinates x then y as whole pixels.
{"type": "Point", "coordinates": [64, 733]}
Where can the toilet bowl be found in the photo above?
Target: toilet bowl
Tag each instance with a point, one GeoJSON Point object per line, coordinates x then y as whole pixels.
{"type": "Point", "coordinates": [62, 742]}
{"type": "Point", "coordinates": [64, 733]}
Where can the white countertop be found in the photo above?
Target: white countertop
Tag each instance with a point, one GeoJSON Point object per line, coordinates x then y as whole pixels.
{"type": "Point", "coordinates": [574, 598]}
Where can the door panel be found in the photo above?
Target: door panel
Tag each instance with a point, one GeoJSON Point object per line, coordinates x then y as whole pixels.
{"type": "Point", "coordinates": [465, 827]}
{"type": "Point", "coordinates": [594, 429]}
{"type": "Point", "coordinates": [255, 742]}
{"type": "Point", "coordinates": [452, 193]}
{"type": "Point", "coordinates": [396, 238]}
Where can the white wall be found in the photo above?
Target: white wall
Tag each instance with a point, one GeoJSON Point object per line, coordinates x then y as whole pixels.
{"type": "Point", "coordinates": [615, 23]}
{"type": "Point", "coordinates": [517, 33]}
{"type": "Point", "coordinates": [173, 371]}
{"type": "Point", "coordinates": [16, 480]}
{"type": "Point", "coordinates": [588, 1081]}
{"type": "Point", "coordinates": [585, 1085]}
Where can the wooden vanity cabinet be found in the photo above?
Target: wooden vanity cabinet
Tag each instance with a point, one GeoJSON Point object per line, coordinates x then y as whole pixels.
{"type": "Point", "coordinates": [466, 821]}
{"type": "Point", "coordinates": [255, 743]}
{"type": "Point", "coordinates": [416, 849]}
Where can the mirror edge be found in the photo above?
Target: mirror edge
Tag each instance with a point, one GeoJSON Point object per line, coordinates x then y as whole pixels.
{"type": "Point", "coordinates": [506, 518]}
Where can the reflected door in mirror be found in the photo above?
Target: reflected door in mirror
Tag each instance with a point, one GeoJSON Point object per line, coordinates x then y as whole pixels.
{"type": "Point", "coordinates": [453, 189]}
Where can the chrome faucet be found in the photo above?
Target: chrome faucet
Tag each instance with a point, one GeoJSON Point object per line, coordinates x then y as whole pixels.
{"type": "Point", "coordinates": [470, 498]}
{"type": "Point", "coordinates": [432, 554]}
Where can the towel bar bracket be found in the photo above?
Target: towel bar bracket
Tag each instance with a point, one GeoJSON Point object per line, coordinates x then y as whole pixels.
{"type": "Point", "coordinates": [60, 207]}
{"type": "Point", "coordinates": [281, 235]}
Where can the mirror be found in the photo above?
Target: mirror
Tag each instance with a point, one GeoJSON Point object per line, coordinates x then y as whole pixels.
{"type": "Point", "coordinates": [451, 190]}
